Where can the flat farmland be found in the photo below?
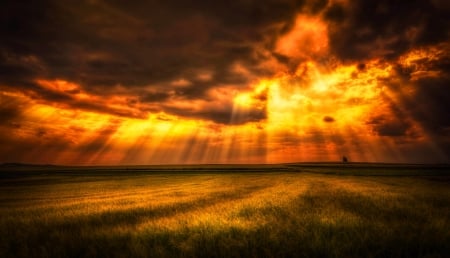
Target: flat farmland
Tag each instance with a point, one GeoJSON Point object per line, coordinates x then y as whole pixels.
{"type": "Point", "coordinates": [292, 210]}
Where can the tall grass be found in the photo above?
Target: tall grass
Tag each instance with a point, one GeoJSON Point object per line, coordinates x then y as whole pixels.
{"type": "Point", "coordinates": [224, 215]}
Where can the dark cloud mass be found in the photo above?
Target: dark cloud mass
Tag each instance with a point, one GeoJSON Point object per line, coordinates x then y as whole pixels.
{"type": "Point", "coordinates": [387, 30]}
{"type": "Point", "coordinates": [429, 104]}
{"type": "Point", "coordinates": [103, 44]}
{"type": "Point", "coordinates": [10, 110]}
{"type": "Point", "coordinates": [384, 28]}
{"type": "Point", "coordinates": [138, 44]}
{"type": "Point", "coordinates": [389, 127]}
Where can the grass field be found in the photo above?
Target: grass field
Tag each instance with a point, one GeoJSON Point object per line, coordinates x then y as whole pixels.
{"type": "Point", "coordinates": [295, 210]}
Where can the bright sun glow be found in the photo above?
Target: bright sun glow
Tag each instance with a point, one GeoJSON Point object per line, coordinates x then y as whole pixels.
{"type": "Point", "coordinates": [315, 113]}
{"type": "Point", "coordinates": [316, 108]}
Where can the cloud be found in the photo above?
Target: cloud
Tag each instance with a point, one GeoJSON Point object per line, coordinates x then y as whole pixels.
{"type": "Point", "coordinates": [142, 47]}
{"type": "Point", "coordinates": [419, 100]}
{"type": "Point", "coordinates": [430, 105]}
{"type": "Point", "coordinates": [222, 106]}
{"type": "Point", "coordinates": [8, 113]}
{"type": "Point", "coordinates": [427, 73]}
{"type": "Point", "coordinates": [392, 127]}
{"type": "Point", "coordinates": [384, 29]}
{"type": "Point", "coordinates": [334, 73]}
{"type": "Point", "coordinates": [328, 119]}
{"type": "Point", "coordinates": [11, 110]}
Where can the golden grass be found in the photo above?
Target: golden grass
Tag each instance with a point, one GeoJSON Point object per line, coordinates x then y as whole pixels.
{"type": "Point", "coordinates": [223, 215]}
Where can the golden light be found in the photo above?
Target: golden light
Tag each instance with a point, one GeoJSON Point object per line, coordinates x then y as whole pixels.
{"type": "Point", "coordinates": [310, 115]}
{"type": "Point", "coordinates": [317, 110]}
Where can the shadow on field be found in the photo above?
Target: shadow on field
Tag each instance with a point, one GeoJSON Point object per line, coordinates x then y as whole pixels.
{"type": "Point", "coordinates": [341, 223]}
{"type": "Point", "coordinates": [70, 234]}
{"type": "Point", "coordinates": [326, 220]}
{"type": "Point", "coordinates": [130, 217]}
{"type": "Point", "coordinates": [322, 222]}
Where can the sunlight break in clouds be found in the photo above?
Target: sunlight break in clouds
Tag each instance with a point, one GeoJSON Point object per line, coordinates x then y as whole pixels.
{"type": "Point", "coordinates": [259, 83]}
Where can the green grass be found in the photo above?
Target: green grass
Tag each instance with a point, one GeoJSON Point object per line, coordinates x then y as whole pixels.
{"type": "Point", "coordinates": [225, 211]}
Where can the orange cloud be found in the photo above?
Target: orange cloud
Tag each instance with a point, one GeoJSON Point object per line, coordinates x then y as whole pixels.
{"type": "Point", "coordinates": [308, 39]}
{"type": "Point", "coordinates": [278, 82]}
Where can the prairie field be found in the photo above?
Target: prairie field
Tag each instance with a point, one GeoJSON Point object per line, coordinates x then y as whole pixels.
{"type": "Point", "coordinates": [225, 211]}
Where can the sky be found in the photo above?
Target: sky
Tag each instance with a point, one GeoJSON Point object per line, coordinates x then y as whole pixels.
{"type": "Point", "coordinates": [117, 82]}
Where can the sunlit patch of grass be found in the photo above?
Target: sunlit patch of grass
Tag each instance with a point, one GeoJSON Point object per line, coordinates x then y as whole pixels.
{"type": "Point", "coordinates": [226, 215]}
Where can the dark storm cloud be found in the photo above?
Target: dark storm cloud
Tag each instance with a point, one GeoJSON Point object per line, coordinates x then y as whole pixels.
{"type": "Point", "coordinates": [431, 104]}
{"type": "Point", "coordinates": [385, 126]}
{"type": "Point", "coordinates": [102, 44]}
{"type": "Point", "coordinates": [10, 110]}
{"type": "Point", "coordinates": [428, 103]}
{"type": "Point", "coordinates": [429, 76]}
{"type": "Point", "coordinates": [156, 96]}
{"type": "Point", "coordinates": [366, 29]}
{"type": "Point", "coordinates": [431, 108]}
{"type": "Point", "coordinates": [8, 113]}
{"type": "Point", "coordinates": [385, 28]}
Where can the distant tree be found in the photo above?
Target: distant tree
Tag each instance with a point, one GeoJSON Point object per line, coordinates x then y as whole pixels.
{"type": "Point", "coordinates": [344, 159]}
